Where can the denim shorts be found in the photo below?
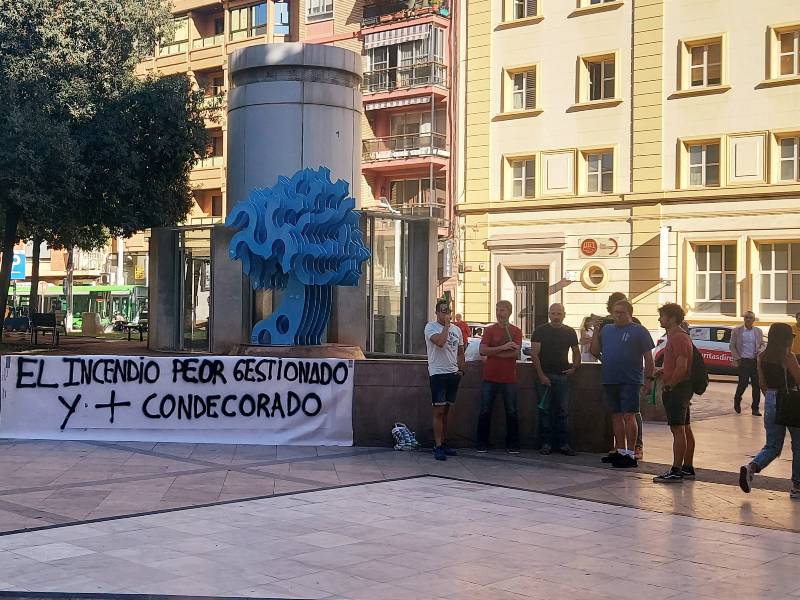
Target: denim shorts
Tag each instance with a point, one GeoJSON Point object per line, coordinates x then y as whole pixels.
{"type": "Point", "coordinates": [676, 403]}
{"type": "Point", "coordinates": [622, 397]}
{"type": "Point", "coordinates": [444, 388]}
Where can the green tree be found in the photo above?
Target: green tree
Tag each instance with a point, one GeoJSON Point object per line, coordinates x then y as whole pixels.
{"type": "Point", "coordinates": [87, 149]}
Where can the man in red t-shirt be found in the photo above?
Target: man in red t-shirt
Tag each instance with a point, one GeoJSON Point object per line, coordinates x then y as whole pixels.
{"type": "Point", "coordinates": [462, 325]}
{"type": "Point", "coordinates": [676, 377]}
{"type": "Point", "coordinates": [500, 345]}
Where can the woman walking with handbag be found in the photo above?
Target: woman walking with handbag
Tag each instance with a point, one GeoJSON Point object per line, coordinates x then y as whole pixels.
{"type": "Point", "coordinates": [778, 371]}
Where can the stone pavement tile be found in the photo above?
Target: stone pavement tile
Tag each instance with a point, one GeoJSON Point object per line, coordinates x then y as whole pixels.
{"type": "Point", "coordinates": [381, 571]}
{"type": "Point", "coordinates": [529, 587]}
{"type": "Point", "coordinates": [477, 573]}
{"type": "Point", "coordinates": [149, 555]}
{"type": "Point", "coordinates": [285, 568]}
{"type": "Point", "coordinates": [281, 590]}
{"type": "Point", "coordinates": [329, 558]}
{"type": "Point", "coordinates": [52, 552]}
{"type": "Point", "coordinates": [332, 581]}
{"type": "Point", "coordinates": [435, 583]}
{"type": "Point", "coordinates": [324, 539]}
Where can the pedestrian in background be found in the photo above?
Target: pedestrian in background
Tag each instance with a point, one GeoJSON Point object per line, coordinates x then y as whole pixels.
{"type": "Point", "coordinates": [778, 371]}
{"type": "Point", "coordinates": [500, 345]}
{"type": "Point", "coordinates": [446, 367]}
{"type": "Point", "coordinates": [747, 340]}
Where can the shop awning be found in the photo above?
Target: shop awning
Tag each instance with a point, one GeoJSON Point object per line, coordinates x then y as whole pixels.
{"type": "Point", "coordinates": [396, 36]}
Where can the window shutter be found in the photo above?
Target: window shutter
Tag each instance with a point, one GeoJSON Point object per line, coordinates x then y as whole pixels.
{"type": "Point", "coordinates": [530, 89]}
{"type": "Point", "coordinates": [530, 8]}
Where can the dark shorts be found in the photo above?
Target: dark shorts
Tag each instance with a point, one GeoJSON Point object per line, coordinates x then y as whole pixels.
{"type": "Point", "coordinates": [622, 398]}
{"type": "Point", "coordinates": [444, 389]}
{"type": "Point", "coordinates": [676, 403]}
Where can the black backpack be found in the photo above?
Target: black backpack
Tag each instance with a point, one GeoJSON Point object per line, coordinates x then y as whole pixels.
{"type": "Point", "coordinates": [699, 377]}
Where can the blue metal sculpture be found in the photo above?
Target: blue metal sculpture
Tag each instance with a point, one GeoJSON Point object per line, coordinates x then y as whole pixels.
{"type": "Point", "coordinates": [300, 236]}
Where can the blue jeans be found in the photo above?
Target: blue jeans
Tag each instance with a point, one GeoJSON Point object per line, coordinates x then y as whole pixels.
{"type": "Point", "coordinates": [554, 411]}
{"type": "Point", "coordinates": [489, 390]}
{"type": "Point", "coordinates": [775, 436]}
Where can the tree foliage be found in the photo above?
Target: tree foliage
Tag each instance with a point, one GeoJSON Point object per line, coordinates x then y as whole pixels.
{"type": "Point", "coordinates": [87, 148]}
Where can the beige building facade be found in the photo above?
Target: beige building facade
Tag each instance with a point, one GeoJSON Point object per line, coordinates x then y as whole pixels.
{"type": "Point", "coordinates": [642, 146]}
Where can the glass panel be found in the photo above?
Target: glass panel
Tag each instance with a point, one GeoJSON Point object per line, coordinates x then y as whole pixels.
{"type": "Point", "coordinates": [594, 163]}
{"type": "Point", "coordinates": [796, 286]}
{"type": "Point", "coordinates": [766, 285]}
{"type": "Point", "coordinates": [787, 170]}
{"type": "Point", "coordinates": [714, 54]}
{"type": "Point", "coordinates": [530, 187]}
{"type": "Point", "coordinates": [714, 74]}
{"type": "Point", "coordinates": [697, 76]}
{"type": "Point", "coordinates": [794, 264]}
{"type": "Point", "coordinates": [696, 176]}
{"type": "Point", "coordinates": [258, 15]}
{"type": "Point", "coordinates": [695, 155]}
{"type": "Point", "coordinates": [608, 182]}
{"type": "Point", "coordinates": [765, 256]}
{"type": "Point", "coordinates": [387, 305]}
{"type": "Point", "coordinates": [608, 161]}
{"type": "Point", "coordinates": [701, 258]}
{"type": "Point", "coordinates": [517, 169]}
{"type": "Point", "coordinates": [730, 286]}
{"type": "Point", "coordinates": [196, 284]}
{"type": "Point", "coordinates": [730, 257]}
{"type": "Point", "coordinates": [697, 55]}
{"type": "Point", "coordinates": [516, 191]}
{"type": "Point", "coordinates": [712, 175]}
{"type": "Point", "coordinates": [700, 284]}
{"type": "Point", "coordinates": [787, 42]}
{"type": "Point", "coordinates": [592, 183]}
{"type": "Point", "coordinates": [608, 88]}
{"type": "Point", "coordinates": [787, 64]}
{"type": "Point", "coordinates": [281, 18]}
{"type": "Point", "coordinates": [715, 286]}
{"type": "Point", "coordinates": [595, 79]}
{"type": "Point", "coordinates": [712, 153]}
{"type": "Point", "coordinates": [715, 258]}
{"type": "Point", "coordinates": [787, 147]}
{"type": "Point", "coordinates": [781, 257]}
{"type": "Point", "coordinates": [781, 286]}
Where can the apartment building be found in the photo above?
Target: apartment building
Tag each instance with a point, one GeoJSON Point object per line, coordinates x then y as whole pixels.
{"type": "Point", "coordinates": [644, 146]}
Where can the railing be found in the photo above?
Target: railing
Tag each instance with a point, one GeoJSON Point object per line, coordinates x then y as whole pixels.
{"type": "Point", "coordinates": [406, 76]}
{"type": "Point", "coordinates": [211, 40]}
{"type": "Point", "coordinates": [209, 162]}
{"type": "Point", "coordinates": [213, 102]}
{"type": "Point", "coordinates": [435, 210]}
{"type": "Point", "coordinates": [388, 11]}
{"type": "Point", "coordinates": [173, 48]}
{"type": "Point", "coordinates": [404, 146]}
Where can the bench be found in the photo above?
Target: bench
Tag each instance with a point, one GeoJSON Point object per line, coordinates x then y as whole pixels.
{"type": "Point", "coordinates": [140, 327]}
{"type": "Point", "coordinates": [44, 323]}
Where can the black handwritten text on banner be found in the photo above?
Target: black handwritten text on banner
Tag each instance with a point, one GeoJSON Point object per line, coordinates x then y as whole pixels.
{"type": "Point", "coordinates": [230, 399]}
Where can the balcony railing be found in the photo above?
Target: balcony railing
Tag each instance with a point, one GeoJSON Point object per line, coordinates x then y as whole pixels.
{"type": "Point", "coordinates": [390, 11]}
{"type": "Point", "coordinates": [211, 40]}
{"type": "Point", "coordinates": [434, 210]}
{"type": "Point", "coordinates": [173, 48]}
{"type": "Point", "coordinates": [404, 146]}
{"type": "Point", "coordinates": [209, 162]}
{"type": "Point", "coordinates": [404, 77]}
{"type": "Point", "coordinates": [213, 102]}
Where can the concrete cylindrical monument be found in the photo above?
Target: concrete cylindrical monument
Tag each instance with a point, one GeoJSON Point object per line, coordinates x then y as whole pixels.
{"type": "Point", "coordinates": [292, 106]}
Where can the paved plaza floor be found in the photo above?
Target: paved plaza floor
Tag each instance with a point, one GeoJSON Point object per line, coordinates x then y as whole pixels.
{"type": "Point", "coordinates": [302, 522]}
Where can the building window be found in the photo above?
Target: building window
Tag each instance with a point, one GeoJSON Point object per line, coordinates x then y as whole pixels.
{"type": "Point", "coordinates": [597, 80]}
{"type": "Point", "coordinates": [179, 41]}
{"type": "Point", "coordinates": [779, 281]}
{"type": "Point", "coordinates": [715, 278]}
{"type": "Point", "coordinates": [601, 80]}
{"type": "Point", "coordinates": [216, 206]}
{"type": "Point", "coordinates": [524, 9]}
{"type": "Point", "coordinates": [789, 53]}
{"type": "Point", "coordinates": [523, 178]}
{"type": "Point", "coordinates": [790, 159]}
{"type": "Point", "coordinates": [600, 172]}
{"type": "Point", "coordinates": [703, 165]}
{"type": "Point", "coordinates": [249, 21]}
{"type": "Point", "coordinates": [281, 25]}
{"type": "Point", "coordinates": [520, 93]}
{"type": "Point", "coordinates": [706, 65]}
{"type": "Point", "coordinates": [319, 9]}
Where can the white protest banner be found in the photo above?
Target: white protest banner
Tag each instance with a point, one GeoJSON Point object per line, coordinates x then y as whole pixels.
{"type": "Point", "coordinates": [221, 399]}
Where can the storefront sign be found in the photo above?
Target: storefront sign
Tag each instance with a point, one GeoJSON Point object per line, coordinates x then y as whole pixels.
{"type": "Point", "coordinates": [222, 399]}
{"type": "Point", "coordinates": [594, 247]}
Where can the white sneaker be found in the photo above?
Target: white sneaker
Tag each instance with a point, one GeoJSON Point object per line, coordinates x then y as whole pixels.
{"type": "Point", "coordinates": [746, 474]}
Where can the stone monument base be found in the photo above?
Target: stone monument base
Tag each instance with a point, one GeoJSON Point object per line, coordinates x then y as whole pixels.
{"type": "Point", "coordinates": [322, 351]}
